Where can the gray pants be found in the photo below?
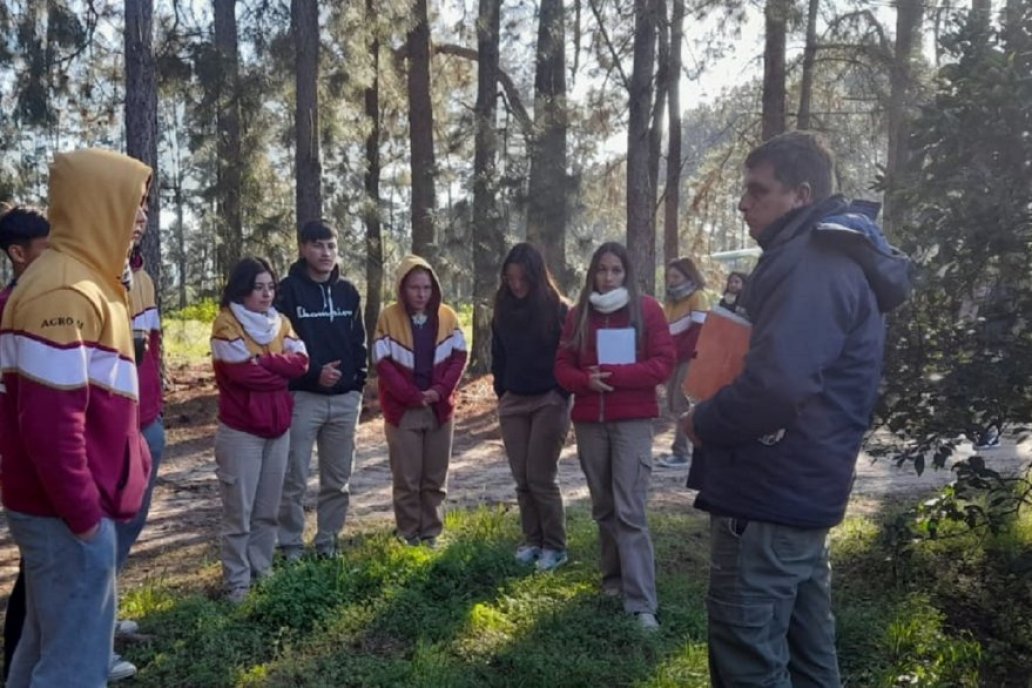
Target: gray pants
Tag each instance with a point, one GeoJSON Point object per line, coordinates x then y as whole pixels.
{"type": "Point", "coordinates": [70, 604]}
{"type": "Point", "coordinates": [250, 471]}
{"type": "Point", "coordinates": [769, 606]}
{"type": "Point", "coordinates": [534, 429]}
{"type": "Point", "coordinates": [617, 461]}
{"type": "Point", "coordinates": [677, 404]}
{"type": "Point", "coordinates": [419, 449]}
{"type": "Point", "coordinates": [329, 421]}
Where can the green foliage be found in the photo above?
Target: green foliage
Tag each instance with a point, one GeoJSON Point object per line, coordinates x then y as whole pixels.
{"type": "Point", "coordinates": [203, 311]}
{"type": "Point", "coordinates": [467, 614]}
{"type": "Point", "coordinates": [960, 353]}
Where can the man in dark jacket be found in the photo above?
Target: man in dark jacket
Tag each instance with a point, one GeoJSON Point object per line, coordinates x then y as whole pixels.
{"type": "Point", "coordinates": [324, 309]}
{"type": "Point", "coordinates": [779, 444]}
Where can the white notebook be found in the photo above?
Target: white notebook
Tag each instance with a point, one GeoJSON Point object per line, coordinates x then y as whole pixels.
{"type": "Point", "coordinates": [616, 346]}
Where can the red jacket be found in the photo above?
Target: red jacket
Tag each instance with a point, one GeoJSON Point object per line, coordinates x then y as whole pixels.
{"type": "Point", "coordinates": [143, 309]}
{"type": "Point", "coordinates": [394, 353]}
{"type": "Point", "coordinates": [252, 379]}
{"type": "Point", "coordinates": [634, 395]}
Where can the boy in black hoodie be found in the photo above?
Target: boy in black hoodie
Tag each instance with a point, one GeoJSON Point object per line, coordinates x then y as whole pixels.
{"type": "Point", "coordinates": [324, 309]}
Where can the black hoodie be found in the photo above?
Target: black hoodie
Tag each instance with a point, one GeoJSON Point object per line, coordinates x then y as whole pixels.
{"type": "Point", "coordinates": [328, 318]}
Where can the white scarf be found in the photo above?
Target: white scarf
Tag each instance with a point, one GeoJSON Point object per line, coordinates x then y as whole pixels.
{"type": "Point", "coordinates": [611, 301]}
{"type": "Point", "coordinates": [261, 327]}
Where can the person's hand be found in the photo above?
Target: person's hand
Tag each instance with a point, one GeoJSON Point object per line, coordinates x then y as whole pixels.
{"type": "Point", "coordinates": [688, 427]}
{"type": "Point", "coordinates": [596, 380]}
{"type": "Point", "coordinates": [430, 396]}
{"type": "Point", "coordinates": [330, 374]}
{"type": "Point", "coordinates": [88, 535]}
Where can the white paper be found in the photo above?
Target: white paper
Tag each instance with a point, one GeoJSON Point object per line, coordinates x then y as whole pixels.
{"type": "Point", "coordinates": [616, 346]}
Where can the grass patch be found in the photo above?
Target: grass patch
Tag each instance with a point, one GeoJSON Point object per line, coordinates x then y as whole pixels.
{"type": "Point", "coordinates": [186, 342]}
{"type": "Point", "coordinates": [467, 614]}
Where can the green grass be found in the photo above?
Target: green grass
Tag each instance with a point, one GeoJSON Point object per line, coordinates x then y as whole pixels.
{"type": "Point", "coordinates": [186, 342]}
{"type": "Point", "coordinates": [467, 615]}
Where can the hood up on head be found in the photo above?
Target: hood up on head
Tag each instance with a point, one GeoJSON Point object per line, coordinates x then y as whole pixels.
{"type": "Point", "coordinates": [94, 195]}
{"type": "Point", "coordinates": [408, 264]}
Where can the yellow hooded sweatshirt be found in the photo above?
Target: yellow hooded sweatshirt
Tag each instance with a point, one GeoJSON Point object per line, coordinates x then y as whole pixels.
{"type": "Point", "coordinates": [70, 443]}
{"type": "Point", "coordinates": [394, 352]}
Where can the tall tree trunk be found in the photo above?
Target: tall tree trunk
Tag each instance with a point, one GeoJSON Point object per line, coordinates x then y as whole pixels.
{"type": "Point", "coordinates": [547, 188]}
{"type": "Point", "coordinates": [488, 240]}
{"type": "Point", "coordinates": [809, 58]}
{"type": "Point", "coordinates": [374, 238]}
{"type": "Point", "coordinates": [421, 134]}
{"type": "Point", "coordinates": [673, 169]}
{"type": "Point", "coordinates": [304, 16]}
{"type": "Point", "coordinates": [909, 15]}
{"type": "Point", "coordinates": [776, 20]}
{"type": "Point", "coordinates": [981, 12]}
{"type": "Point", "coordinates": [141, 120]}
{"type": "Point", "coordinates": [230, 164]}
{"type": "Point", "coordinates": [641, 231]}
{"type": "Point", "coordinates": [659, 104]}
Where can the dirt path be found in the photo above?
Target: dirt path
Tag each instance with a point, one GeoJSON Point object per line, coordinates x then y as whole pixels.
{"type": "Point", "coordinates": [182, 531]}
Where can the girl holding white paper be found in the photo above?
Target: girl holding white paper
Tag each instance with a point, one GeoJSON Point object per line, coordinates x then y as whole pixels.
{"type": "Point", "coordinates": [614, 350]}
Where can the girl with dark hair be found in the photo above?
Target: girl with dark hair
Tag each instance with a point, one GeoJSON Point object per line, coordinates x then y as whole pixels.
{"type": "Point", "coordinates": [255, 354]}
{"type": "Point", "coordinates": [614, 350]}
{"type": "Point", "coordinates": [533, 411]}
{"type": "Point", "coordinates": [732, 298]}
{"type": "Point", "coordinates": [419, 352]}
{"type": "Point", "coordinates": [685, 309]}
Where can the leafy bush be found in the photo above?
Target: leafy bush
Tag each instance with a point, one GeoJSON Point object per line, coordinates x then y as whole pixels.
{"type": "Point", "coordinates": [203, 311]}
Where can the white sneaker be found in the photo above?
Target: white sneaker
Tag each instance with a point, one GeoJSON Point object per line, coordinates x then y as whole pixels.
{"type": "Point", "coordinates": [647, 622]}
{"type": "Point", "coordinates": [120, 669]}
{"type": "Point", "coordinates": [527, 554]}
{"type": "Point", "coordinates": [551, 559]}
{"type": "Point", "coordinates": [126, 627]}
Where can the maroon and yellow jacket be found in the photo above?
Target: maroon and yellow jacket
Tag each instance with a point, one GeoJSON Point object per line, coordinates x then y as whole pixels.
{"type": "Point", "coordinates": [394, 357]}
{"type": "Point", "coordinates": [71, 442]}
{"type": "Point", "coordinates": [252, 378]}
{"type": "Point", "coordinates": [143, 308]}
{"type": "Point", "coordinates": [634, 393]}
{"type": "Point", "coordinates": [686, 317]}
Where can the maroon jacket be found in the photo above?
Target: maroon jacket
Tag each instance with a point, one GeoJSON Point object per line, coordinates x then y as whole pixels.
{"type": "Point", "coordinates": [634, 394]}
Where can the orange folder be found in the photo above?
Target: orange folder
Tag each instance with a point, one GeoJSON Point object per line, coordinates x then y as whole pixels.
{"type": "Point", "coordinates": [719, 354]}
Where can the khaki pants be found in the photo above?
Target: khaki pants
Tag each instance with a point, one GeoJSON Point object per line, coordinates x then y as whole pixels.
{"type": "Point", "coordinates": [617, 461]}
{"type": "Point", "coordinates": [534, 429]}
{"type": "Point", "coordinates": [329, 421]}
{"type": "Point", "coordinates": [250, 471]}
{"type": "Point", "coordinates": [677, 404]}
{"type": "Point", "coordinates": [419, 449]}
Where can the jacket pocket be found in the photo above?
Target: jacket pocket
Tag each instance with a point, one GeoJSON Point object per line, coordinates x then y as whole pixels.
{"type": "Point", "coordinates": [133, 478]}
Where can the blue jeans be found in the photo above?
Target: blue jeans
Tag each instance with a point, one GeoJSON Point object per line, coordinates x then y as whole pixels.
{"type": "Point", "coordinates": [129, 531]}
{"type": "Point", "coordinates": [70, 599]}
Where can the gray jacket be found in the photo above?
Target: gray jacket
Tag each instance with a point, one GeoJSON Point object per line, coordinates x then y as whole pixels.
{"type": "Point", "coordinates": [780, 443]}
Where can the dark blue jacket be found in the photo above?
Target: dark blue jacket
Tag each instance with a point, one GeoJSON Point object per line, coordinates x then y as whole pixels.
{"type": "Point", "coordinates": [328, 318]}
{"type": "Point", "coordinates": [779, 444]}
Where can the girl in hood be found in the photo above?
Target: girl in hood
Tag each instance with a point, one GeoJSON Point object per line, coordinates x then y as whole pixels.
{"type": "Point", "coordinates": [615, 348]}
{"type": "Point", "coordinates": [256, 354]}
{"type": "Point", "coordinates": [685, 309]}
{"type": "Point", "coordinates": [419, 352]}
